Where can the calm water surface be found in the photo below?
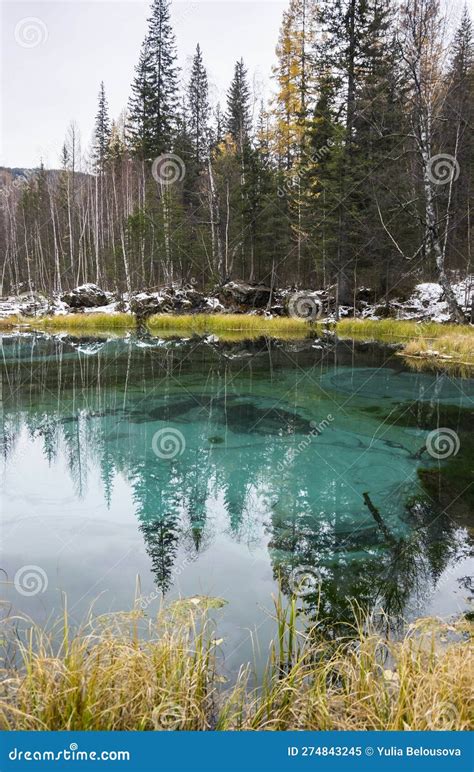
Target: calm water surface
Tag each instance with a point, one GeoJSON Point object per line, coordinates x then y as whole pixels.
{"type": "Point", "coordinates": [222, 469]}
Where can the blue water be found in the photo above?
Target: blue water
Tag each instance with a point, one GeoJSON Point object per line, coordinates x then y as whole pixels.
{"type": "Point", "coordinates": [137, 469]}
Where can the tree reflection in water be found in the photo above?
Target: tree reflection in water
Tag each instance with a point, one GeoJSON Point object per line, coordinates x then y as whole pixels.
{"type": "Point", "coordinates": [243, 411]}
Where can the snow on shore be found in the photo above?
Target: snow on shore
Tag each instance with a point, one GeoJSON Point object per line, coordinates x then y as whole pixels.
{"type": "Point", "coordinates": [425, 303]}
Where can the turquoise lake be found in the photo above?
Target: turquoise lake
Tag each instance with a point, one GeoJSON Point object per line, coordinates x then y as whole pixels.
{"type": "Point", "coordinates": [193, 467]}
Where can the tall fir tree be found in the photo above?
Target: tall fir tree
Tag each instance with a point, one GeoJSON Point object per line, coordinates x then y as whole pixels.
{"type": "Point", "coordinates": [141, 109]}
{"type": "Point", "coordinates": [102, 132]}
{"type": "Point", "coordinates": [153, 106]}
{"type": "Point", "coordinates": [198, 108]}
{"type": "Point", "coordinates": [238, 117]}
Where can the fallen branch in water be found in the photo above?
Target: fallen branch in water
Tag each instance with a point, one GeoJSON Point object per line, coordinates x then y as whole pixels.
{"type": "Point", "coordinates": [378, 517]}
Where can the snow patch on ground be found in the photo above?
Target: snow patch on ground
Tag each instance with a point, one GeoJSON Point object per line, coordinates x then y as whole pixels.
{"type": "Point", "coordinates": [425, 303]}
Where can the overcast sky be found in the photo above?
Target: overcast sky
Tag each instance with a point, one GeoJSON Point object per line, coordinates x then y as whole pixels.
{"type": "Point", "coordinates": [54, 55]}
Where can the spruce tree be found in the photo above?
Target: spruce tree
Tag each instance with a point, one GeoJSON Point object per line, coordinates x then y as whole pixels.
{"type": "Point", "coordinates": [198, 108]}
{"type": "Point", "coordinates": [102, 132]}
{"type": "Point", "coordinates": [238, 120]}
{"type": "Point", "coordinates": [141, 109]}
{"type": "Point", "coordinates": [152, 108]}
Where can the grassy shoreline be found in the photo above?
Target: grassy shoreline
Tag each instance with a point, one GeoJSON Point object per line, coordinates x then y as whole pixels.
{"type": "Point", "coordinates": [426, 341]}
{"type": "Point", "coordinates": [112, 676]}
{"type": "Point", "coordinates": [441, 344]}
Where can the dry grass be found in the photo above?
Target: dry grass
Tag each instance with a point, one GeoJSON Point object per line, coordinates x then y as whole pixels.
{"type": "Point", "coordinates": [229, 323]}
{"type": "Point", "coordinates": [392, 328]}
{"type": "Point", "coordinates": [368, 683]}
{"type": "Point", "coordinates": [444, 344]}
{"type": "Point", "coordinates": [107, 677]}
{"type": "Point", "coordinates": [8, 322]}
{"type": "Point", "coordinates": [85, 322]}
{"type": "Point", "coordinates": [227, 326]}
{"type": "Point", "coordinates": [456, 346]}
{"type": "Point", "coordinates": [456, 342]}
{"type": "Point", "coordinates": [111, 676]}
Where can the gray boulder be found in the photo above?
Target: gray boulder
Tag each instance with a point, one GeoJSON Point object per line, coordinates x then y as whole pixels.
{"type": "Point", "coordinates": [145, 304]}
{"type": "Point", "coordinates": [85, 296]}
{"type": "Point", "coordinates": [241, 293]}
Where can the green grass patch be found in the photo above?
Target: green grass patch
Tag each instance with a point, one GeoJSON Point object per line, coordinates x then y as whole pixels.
{"type": "Point", "coordinates": [85, 322]}
{"type": "Point", "coordinates": [222, 324]}
{"type": "Point", "coordinates": [226, 326]}
{"type": "Point", "coordinates": [393, 328]}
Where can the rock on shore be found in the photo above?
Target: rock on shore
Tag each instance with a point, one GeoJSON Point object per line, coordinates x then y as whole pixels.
{"type": "Point", "coordinates": [426, 302]}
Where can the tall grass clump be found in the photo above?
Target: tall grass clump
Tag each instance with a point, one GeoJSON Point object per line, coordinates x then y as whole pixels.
{"type": "Point", "coordinates": [112, 674]}
{"type": "Point", "coordinates": [368, 682]}
{"type": "Point", "coordinates": [426, 340]}
{"type": "Point", "coordinates": [8, 322]}
{"type": "Point", "coordinates": [120, 673]}
{"type": "Point", "coordinates": [85, 322]}
{"type": "Point", "coordinates": [222, 323]}
{"type": "Point", "coordinates": [393, 328]}
{"type": "Point", "coordinates": [455, 346]}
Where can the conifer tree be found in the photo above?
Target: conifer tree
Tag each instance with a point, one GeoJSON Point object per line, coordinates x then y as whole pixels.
{"type": "Point", "coordinates": [198, 108]}
{"type": "Point", "coordinates": [102, 132]}
{"type": "Point", "coordinates": [295, 78]}
{"type": "Point", "coordinates": [153, 106]}
{"type": "Point", "coordinates": [141, 112]}
{"type": "Point", "coordinates": [238, 120]}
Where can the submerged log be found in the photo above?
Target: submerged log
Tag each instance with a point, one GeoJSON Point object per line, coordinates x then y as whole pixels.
{"type": "Point", "coordinates": [378, 518]}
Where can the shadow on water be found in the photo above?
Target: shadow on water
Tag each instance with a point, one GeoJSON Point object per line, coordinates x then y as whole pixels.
{"type": "Point", "coordinates": [304, 463]}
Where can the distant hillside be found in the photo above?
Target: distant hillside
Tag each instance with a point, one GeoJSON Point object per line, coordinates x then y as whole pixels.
{"type": "Point", "coordinates": [16, 171]}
